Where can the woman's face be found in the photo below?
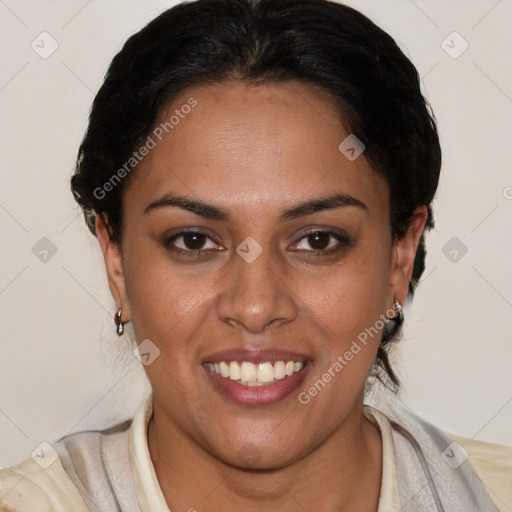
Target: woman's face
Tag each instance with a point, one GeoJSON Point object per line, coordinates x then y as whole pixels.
{"type": "Point", "coordinates": [275, 274]}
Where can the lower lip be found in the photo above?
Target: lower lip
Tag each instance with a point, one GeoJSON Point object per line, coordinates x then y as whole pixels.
{"type": "Point", "coordinates": [258, 395]}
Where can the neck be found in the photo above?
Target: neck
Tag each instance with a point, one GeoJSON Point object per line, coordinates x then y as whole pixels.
{"type": "Point", "coordinates": [343, 473]}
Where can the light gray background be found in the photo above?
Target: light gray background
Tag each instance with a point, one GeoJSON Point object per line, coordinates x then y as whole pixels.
{"type": "Point", "coordinates": [62, 367]}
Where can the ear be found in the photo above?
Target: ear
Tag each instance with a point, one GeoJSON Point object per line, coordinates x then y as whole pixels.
{"type": "Point", "coordinates": [404, 253]}
{"type": "Point", "coordinates": [113, 266]}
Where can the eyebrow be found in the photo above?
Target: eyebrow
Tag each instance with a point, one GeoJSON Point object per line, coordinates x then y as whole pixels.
{"type": "Point", "coordinates": [213, 212]}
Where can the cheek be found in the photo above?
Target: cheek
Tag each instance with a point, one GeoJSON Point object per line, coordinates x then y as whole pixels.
{"type": "Point", "coordinates": [352, 297]}
{"type": "Point", "coordinates": [162, 298]}
{"type": "Point", "coordinates": [348, 307]}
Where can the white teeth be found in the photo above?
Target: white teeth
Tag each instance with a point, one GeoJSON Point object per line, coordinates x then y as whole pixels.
{"type": "Point", "coordinates": [279, 370]}
{"type": "Point", "coordinates": [224, 369]}
{"type": "Point", "coordinates": [265, 372]}
{"type": "Point", "coordinates": [255, 383]}
{"type": "Point", "coordinates": [248, 371]}
{"type": "Point", "coordinates": [250, 374]}
{"type": "Point", "coordinates": [234, 370]}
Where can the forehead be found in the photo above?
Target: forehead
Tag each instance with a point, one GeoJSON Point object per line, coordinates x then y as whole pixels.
{"type": "Point", "coordinates": [250, 147]}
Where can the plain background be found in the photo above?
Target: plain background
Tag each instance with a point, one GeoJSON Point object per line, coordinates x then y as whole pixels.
{"type": "Point", "coordinates": [62, 367]}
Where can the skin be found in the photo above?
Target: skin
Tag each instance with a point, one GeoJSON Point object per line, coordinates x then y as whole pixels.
{"type": "Point", "coordinates": [256, 151]}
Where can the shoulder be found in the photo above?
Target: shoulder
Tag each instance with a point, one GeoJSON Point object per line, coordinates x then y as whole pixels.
{"type": "Point", "coordinates": [493, 464]}
{"type": "Point", "coordinates": [53, 479]}
{"type": "Point", "coordinates": [41, 485]}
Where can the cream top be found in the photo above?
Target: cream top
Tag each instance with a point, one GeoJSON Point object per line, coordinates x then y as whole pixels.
{"type": "Point", "coordinates": [28, 486]}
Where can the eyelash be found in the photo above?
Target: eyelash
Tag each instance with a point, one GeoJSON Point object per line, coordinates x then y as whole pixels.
{"type": "Point", "coordinates": [343, 239]}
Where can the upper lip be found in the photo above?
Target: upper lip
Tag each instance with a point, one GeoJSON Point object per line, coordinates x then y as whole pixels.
{"type": "Point", "coordinates": [255, 355]}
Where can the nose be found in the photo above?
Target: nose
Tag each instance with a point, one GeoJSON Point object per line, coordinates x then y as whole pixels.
{"type": "Point", "coordinates": [255, 294]}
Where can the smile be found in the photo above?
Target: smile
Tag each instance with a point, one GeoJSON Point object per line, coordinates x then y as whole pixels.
{"type": "Point", "coordinates": [247, 373]}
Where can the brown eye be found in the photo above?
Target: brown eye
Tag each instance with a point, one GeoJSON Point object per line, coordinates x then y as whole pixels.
{"type": "Point", "coordinates": [319, 240]}
{"type": "Point", "coordinates": [194, 241]}
{"type": "Point", "coordinates": [323, 242]}
{"type": "Point", "coordinates": [190, 243]}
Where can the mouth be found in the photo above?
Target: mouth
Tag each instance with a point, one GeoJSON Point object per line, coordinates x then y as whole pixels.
{"type": "Point", "coordinates": [259, 374]}
{"type": "Point", "coordinates": [256, 377]}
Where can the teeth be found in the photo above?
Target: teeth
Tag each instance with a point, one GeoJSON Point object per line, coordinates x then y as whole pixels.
{"type": "Point", "coordinates": [265, 372]}
{"type": "Point", "coordinates": [260, 374]}
{"type": "Point", "coordinates": [234, 370]}
{"type": "Point", "coordinates": [224, 369]}
{"type": "Point", "coordinates": [255, 383]}
{"type": "Point", "coordinates": [248, 372]}
{"type": "Point", "coordinates": [280, 370]}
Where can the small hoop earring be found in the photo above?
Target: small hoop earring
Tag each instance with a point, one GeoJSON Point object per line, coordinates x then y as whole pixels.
{"type": "Point", "coordinates": [119, 323]}
{"type": "Point", "coordinates": [399, 319]}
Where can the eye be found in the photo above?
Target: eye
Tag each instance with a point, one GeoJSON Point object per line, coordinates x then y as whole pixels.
{"type": "Point", "coordinates": [195, 243]}
{"type": "Point", "coordinates": [323, 242]}
{"type": "Point", "coordinates": [190, 243]}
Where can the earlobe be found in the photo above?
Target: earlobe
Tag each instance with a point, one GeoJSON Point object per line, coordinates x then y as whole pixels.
{"type": "Point", "coordinates": [405, 254]}
{"type": "Point", "coordinates": [113, 267]}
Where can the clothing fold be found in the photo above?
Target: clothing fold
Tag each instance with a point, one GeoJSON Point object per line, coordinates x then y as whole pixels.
{"type": "Point", "coordinates": [424, 468]}
{"type": "Point", "coordinates": [433, 470]}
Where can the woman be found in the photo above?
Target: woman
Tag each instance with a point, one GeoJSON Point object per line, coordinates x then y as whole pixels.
{"type": "Point", "coordinates": [259, 175]}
